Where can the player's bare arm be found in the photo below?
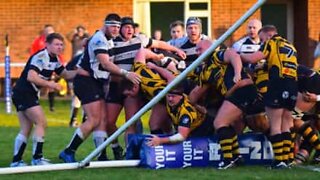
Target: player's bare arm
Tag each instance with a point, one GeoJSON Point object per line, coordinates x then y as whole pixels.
{"type": "Point", "coordinates": [34, 78]}
{"type": "Point", "coordinates": [183, 133]}
{"type": "Point", "coordinates": [253, 57]}
{"type": "Point", "coordinates": [197, 93]}
{"type": "Point", "coordinates": [162, 71]}
{"type": "Point", "coordinates": [232, 57]}
{"type": "Point", "coordinates": [68, 74]}
{"type": "Point", "coordinates": [165, 46]}
{"type": "Point", "coordinates": [114, 69]}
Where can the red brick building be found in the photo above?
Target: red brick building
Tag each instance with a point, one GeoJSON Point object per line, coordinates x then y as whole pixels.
{"type": "Point", "coordinates": [298, 20]}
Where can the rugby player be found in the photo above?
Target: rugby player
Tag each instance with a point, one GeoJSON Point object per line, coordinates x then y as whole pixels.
{"type": "Point", "coordinates": [223, 71]}
{"type": "Point", "coordinates": [151, 84]}
{"type": "Point", "coordinates": [309, 90]}
{"type": "Point", "coordinates": [25, 97]}
{"type": "Point", "coordinates": [188, 120]}
{"type": "Point", "coordinates": [188, 45]}
{"type": "Point", "coordinates": [176, 30]}
{"type": "Point", "coordinates": [126, 46]}
{"type": "Point", "coordinates": [282, 89]}
{"type": "Point", "coordinates": [93, 76]}
{"type": "Point", "coordinates": [251, 42]}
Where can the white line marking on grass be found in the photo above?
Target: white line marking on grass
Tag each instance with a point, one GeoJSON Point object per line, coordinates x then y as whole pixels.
{"type": "Point", "coordinates": [311, 168]}
{"type": "Point", "coordinates": [57, 120]}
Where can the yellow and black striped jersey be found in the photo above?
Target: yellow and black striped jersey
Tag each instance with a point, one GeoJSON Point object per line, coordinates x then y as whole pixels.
{"type": "Point", "coordinates": [151, 82]}
{"type": "Point", "coordinates": [218, 73]}
{"type": "Point", "coordinates": [185, 114]}
{"type": "Point", "coordinates": [261, 78]}
{"type": "Point", "coordinates": [194, 75]}
{"type": "Point", "coordinates": [281, 57]}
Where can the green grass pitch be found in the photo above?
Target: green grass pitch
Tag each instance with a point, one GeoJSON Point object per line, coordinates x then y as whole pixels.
{"type": "Point", "coordinates": [58, 135]}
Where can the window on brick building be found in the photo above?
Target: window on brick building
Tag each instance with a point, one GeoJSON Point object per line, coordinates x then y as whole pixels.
{"type": "Point", "coordinates": [158, 14]}
{"type": "Point", "coordinates": [280, 14]}
{"type": "Point", "coordinates": [164, 13]}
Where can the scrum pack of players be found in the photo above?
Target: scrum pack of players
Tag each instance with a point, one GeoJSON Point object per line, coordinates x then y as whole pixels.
{"type": "Point", "coordinates": [257, 84]}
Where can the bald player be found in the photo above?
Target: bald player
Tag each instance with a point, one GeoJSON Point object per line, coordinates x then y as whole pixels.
{"type": "Point", "coordinates": [251, 42]}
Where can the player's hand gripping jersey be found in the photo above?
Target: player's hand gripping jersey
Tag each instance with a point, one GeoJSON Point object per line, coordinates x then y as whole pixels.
{"type": "Point", "coordinates": [218, 73]}
{"type": "Point", "coordinates": [151, 82]}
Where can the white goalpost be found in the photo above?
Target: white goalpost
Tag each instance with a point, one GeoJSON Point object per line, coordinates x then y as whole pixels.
{"type": "Point", "coordinates": [85, 163]}
{"type": "Point", "coordinates": [68, 166]}
{"type": "Point", "coordinates": [176, 80]}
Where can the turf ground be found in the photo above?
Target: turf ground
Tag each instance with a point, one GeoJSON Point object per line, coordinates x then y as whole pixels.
{"type": "Point", "coordinates": [59, 134]}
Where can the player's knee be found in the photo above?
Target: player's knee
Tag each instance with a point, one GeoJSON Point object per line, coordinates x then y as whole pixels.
{"type": "Point", "coordinates": [90, 124]}
{"type": "Point", "coordinates": [217, 124]}
{"type": "Point", "coordinates": [41, 123]}
{"type": "Point", "coordinates": [111, 120]}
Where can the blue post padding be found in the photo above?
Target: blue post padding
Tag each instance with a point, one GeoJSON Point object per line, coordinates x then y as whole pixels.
{"type": "Point", "coordinates": [8, 85]}
{"type": "Point", "coordinates": [197, 152]}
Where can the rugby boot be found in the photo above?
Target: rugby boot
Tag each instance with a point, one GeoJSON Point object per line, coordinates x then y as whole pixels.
{"type": "Point", "coordinates": [20, 163]}
{"type": "Point", "coordinates": [238, 160]}
{"type": "Point", "coordinates": [118, 153]}
{"type": "Point", "coordinates": [40, 161]}
{"type": "Point", "coordinates": [225, 164]}
{"type": "Point", "coordinates": [67, 158]}
{"type": "Point", "coordinates": [103, 157]}
{"type": "Point", "coordinates": [278, 165]}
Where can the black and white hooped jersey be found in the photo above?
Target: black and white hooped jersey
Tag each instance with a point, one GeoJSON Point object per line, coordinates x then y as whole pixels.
{"type": "Point", "coordinates": [188, 47]}
{"type": "Point", "coordinates": [260, 76]}
{"type": "Point", "coordinates": [246, 45]}
{"type": "Point", "coordinates": [125, 51]}
{"type": "Point", "coordinates": [44, 65]}
{"type": "Point", "coordinates": [97, 44]}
